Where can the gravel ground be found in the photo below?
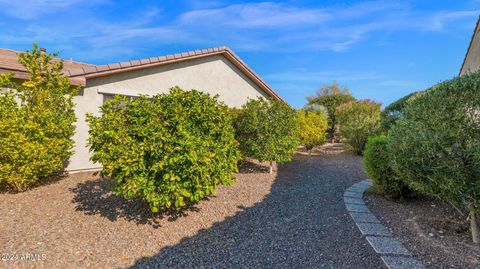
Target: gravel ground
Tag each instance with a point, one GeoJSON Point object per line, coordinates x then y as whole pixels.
{"type": "Point", "coordinates": [435, 232]}
{"type": "Point", "coordinates": [293, 218]}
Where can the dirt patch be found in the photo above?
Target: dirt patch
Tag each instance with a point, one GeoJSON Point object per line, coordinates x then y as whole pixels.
{"type": "Point", "coordinates": [435, 232]}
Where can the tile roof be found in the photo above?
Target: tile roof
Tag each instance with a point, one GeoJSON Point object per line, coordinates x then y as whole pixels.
{"type": "Point", "coordinates": [9, 60]}
{"type": "Point", "coordinates": [79, 73]}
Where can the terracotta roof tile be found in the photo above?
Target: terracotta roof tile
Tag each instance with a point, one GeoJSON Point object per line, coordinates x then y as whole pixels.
{"type": "Point", "coordinates": [153, 59]}
{"type": "Point", "coordinates": [101, 68]}
{"type": "Point", "coordinates": [114, 66]}
{"type": "Point", "coordinates": [162, 58]}
{"type": "Point", "coordinates": [125, 64]}
{"type": "Point", "coordinates": [135, 62]}
{"type": "Point", "coordinates": [144, 61]}
{"type": "Point", "coordinates": [170, 57]}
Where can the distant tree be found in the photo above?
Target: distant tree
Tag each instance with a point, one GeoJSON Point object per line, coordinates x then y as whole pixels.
{"type": "Point", "coordinates": [331, 102]}
{"type": "Point", "coordinates": [333, 88]}
{"type": "Point", "coordinates": [312, 129]}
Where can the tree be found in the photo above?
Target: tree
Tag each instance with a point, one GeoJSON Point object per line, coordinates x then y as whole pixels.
{"type": "Point", "coordinates": [312, 129]}
{"type": "Point", "coordinates": [357, 121]}
{"type": "Point", "coordinates": [267, 131]}
{"type": "Point", "coordinates": [36, 121]}
{"type": "Point", "coordinates": [437, 144]}
{"type": "Point", "coordinates": [333, 88]}
{"type": "Point", "coordinates": [331, 102]}
{"type": "Point", "coordinates": [171, 150]}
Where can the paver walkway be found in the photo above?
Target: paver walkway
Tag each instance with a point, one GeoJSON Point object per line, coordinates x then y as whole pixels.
{"type": "Point", "coordinates": [302, 223]}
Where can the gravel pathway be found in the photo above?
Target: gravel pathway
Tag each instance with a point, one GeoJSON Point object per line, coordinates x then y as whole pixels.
{"type": "Point", "coordinates": [294, 218]}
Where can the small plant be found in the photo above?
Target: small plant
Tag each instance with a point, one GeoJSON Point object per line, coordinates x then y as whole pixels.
{"type": "Point", "coordinates": [357, 121]}
{"type": "Point", "coordinates": [312, 129]}
{"type": "Point", "coordinates": [437, 144]}
{"type": "Point", "coordinates": [267, 131]}
{"type": "Point", "coordinates": [376, 161]}
{"type": "Point", "coordinates": [36, 121]}
{"type": "Point", "coordinates": [171, 150]}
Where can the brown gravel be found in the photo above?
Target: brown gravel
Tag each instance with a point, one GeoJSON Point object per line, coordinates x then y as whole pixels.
{"type": "Point", "coordinates": [293, 218]}
{"type": "Point", "coordinates": [435, 232]}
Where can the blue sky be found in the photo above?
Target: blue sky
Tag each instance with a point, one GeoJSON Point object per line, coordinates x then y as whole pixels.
{"type": "Point", "coordinates": [380, 49]}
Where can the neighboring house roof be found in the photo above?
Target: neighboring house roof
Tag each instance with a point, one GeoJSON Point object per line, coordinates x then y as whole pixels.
{"type": "Point", "coordinates": [79, 73]}
{"type": "Point", "coordinates": [471, 61]}
{"type": "Point", "coordinates": [9, 63]}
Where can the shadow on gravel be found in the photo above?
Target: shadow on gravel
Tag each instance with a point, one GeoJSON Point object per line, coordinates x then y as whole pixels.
{"type": "Point", "coordinates": [302, 223]}
{"type": "Point", "coordinates": [94, 197]}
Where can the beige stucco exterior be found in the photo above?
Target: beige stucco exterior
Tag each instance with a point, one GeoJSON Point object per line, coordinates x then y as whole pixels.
{"type": "Point", "coordinates": [472, 58]}
{"type": "Point", "coordinates": [214, 74]}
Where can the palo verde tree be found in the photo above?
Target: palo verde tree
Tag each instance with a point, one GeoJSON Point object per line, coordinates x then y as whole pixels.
{"type": "Point", "coordinates": [170, 150]}
{"type": "Point", "coordinates": [330, 97]}
{"type": "Point", "coordinates": [436, 144]}
{"type": "Point", "coordinates": [36, 121]}
{"type": "Point", "coordinates": [267, 131]}
{"type": "Point", "coordinates": [312, 128]}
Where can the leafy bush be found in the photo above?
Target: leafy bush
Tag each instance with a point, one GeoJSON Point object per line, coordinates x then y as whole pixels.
{"type": "Point", "coordinates": [393, 112]}
{"type": "Point", "coordinates": [357, 121]}
{"type": "Point", "coordinates": [331, 102]}
{"type": "Point", "coordinates": [312, 127]}
{"type": "Point", "coordinates": [437, 143]}
{"type": "Point", "coordinates": [170, 150]}
{"type": "Point", "coordinates": [376, 161]}
{"type": "Point", "coordinates": [267, 131]}
{"type": "Point", "coordinates": [36, 121]}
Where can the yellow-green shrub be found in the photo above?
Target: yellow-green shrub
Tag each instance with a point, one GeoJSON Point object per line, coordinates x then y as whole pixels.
{"type": "Point", "coordinates": [170, 150]}
{"type": "Point", "coordinates": [312, 128]}
{"type": "Point", "coordinates": [36, 121]}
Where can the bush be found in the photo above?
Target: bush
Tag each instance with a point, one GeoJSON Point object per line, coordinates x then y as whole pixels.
{"type": "Point", "coordinates": [393, 112]}
{"type": "Point", "coordinates": [357, 121]}
{"type": "Point", "coordinates": [312, 129]}
{"type": "Point", "coordinates": [36, 121]}
{"type": "Point", "coordinates": [376, 161]}
{"type": "Point", "coordinates": [267, 131]}
{"type": "Point", "coordinates": [331, 102]}
{"type": "Point", "coordinates": [171, 150]}
{"type": "Point", "coordinates": [437, 142]}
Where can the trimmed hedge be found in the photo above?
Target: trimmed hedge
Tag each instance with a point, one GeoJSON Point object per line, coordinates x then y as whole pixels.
{"type": "Point", "coordinates": [171, 150]}
{"type": "Point", "coordinates": [357, 121]}
{"type": "Point", "coordinates": [393, 112]}
{"type": "Point", "coordinates": [36, 122]}
{"type": "Point", "coordinates": [376, 161]}
{"type": "Point", "coordinates": [267, 130]}
{"type": "Point", "coordinates": [437, 142]}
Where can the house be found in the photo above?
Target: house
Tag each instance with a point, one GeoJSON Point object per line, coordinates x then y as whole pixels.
{"type": "Point", "coordinates": [214, 70]}
{"type": "Point", "coordinates": [471, 62]}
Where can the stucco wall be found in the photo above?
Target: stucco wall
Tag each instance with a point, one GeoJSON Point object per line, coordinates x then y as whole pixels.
{"type": "Point", "coordinates": [472, 59]}
{"type": "Point", "coordinates": [215, 75]}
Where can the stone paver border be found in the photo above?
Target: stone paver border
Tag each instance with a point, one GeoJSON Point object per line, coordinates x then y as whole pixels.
{"type": "Point", "coordinates": [391, 250]}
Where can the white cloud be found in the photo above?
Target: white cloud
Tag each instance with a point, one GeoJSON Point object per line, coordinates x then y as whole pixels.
{"type": "Point", "coordinates": [29, 9]}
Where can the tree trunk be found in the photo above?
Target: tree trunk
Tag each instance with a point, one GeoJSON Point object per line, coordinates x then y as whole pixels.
{"type": "Point", "coordinates": [309, 153]}
{"type": "Point", "coordinates": [271, 168]}
{"type": "Point", "coordinates": [473, 224]}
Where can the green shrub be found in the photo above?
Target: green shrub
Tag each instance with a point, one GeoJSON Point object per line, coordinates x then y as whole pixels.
{"type": "Point", "coordinates": [437, 142]}
{"type": "Point", "coordinates": [376, 161]}
{"type": "Point", "coordinates": [267, 131]}
{"type": "Point", "coordinates": [393, 112]}
{"type": "Point", "coordinates": [312, 127]}
{"type": "Point", "coordinates": [36, 121]}
{"type": "Point", "coordinates": [357, 121]}
{"type": "Point", "coordinates": [171, 150]}
{"type": "Point", "coordinates": [331, 102]}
